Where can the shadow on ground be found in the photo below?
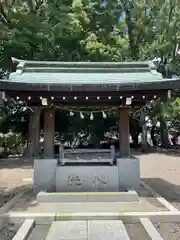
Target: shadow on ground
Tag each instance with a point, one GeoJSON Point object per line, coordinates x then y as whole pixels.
{"type": "Point", "coordinates": [169, 151]}
{"type": "Point", "coordinates": [166, 189]}
{"type": "Point", "coordinates": [11, 163]}
{"type": "Point", "coordinates": [7, 194]}
{"type": "Point", "coordinates": [22, 162]}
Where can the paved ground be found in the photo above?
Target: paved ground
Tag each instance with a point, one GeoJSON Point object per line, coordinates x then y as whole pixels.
{"type": "Point", "coordinates": [40, 232]}
{"type": "Point", "coordinates": [160, 171]}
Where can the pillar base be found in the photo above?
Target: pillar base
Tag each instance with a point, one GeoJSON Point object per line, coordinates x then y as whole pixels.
{"type": "Point", "coordinates": [129, 173]}
{"type": "Point", "coordinates": [44, 175]}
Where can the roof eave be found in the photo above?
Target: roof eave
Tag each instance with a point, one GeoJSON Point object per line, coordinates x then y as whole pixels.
{"type": "Point", "coordinates": [159, 85]}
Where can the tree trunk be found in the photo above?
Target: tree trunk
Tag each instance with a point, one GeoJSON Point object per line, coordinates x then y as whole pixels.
{"type": "Point", "coordinates": [144, 133]}
{"type": "Point", "coordinates": [132, 42]}
{"type": "Point", "coordinates": [144, 138]}
{"type": "Point", "coordinates": [164, 138]}
{"type": "Point", "coordinates": [153, 138]}
{"type": "Point", "coordinates": [164, 135]}
{"type": "Point", "coordinates": [135, 140]}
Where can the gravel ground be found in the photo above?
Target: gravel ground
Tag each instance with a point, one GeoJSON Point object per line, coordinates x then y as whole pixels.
{"type": "Point", "coordinates": [8, 231]}
{"type": "Point", "coordinates": [160, 170]}
{"type": "Point", "coordinates": [12, 173]}
{"type": "Point", "coordinates": [169, 231]}
{"type": "Point", "coordinates": [162, 173]}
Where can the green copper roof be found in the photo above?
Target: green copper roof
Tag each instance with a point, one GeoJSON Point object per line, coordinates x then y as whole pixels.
{"type": "Point", "coordinates": [43, 72]}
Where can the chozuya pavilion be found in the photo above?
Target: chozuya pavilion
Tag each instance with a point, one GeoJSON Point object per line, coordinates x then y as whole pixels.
{"type": "Point", "coordinates": [49, 85]}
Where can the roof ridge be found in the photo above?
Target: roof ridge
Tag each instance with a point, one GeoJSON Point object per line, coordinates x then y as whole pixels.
{"type": "Point", "coordinates": [82, 63]}
{"type": "Point", "coordinates": [86, 70]}
{"type": "Point", "coordinates": [43, 67]}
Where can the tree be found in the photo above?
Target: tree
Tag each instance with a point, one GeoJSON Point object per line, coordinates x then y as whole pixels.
{"type": "Point", "coordinates": [89, 30]}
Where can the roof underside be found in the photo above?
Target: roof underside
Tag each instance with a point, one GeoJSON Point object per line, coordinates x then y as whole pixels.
{"type": "Point", "coordinates": [84, 76]}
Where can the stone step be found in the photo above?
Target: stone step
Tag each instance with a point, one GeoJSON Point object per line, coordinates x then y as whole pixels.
{"type": "Point", "coordinates": [128, 196]}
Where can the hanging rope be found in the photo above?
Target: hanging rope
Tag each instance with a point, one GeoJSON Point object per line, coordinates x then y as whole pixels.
{"type": "Point", "coordinates": [90, 112]}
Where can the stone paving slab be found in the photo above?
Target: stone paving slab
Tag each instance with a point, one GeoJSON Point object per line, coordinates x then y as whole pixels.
{"type": "Point", "coordinates": [135, 232]}
{"type": "Point", "coordinates": [106, 230]}
{"type": "Point", "coordinates": [90, 230]}
{"type": "Point", "coordinates": [68, 230]}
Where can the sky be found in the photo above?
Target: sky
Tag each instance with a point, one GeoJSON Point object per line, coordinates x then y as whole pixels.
{"type": "Point", "coordinates": [121, 18]}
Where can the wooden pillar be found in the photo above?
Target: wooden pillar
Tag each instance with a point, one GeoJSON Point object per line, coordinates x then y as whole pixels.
{"type": "Point", "coordinates": [33, 140]}
{"type": "Point", "coordinates": [49, 131]}
{"type": "Point", "coordinates": [124, 132]}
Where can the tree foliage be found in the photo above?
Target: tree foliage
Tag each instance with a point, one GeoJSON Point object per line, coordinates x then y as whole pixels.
{"type": "Point", "coordinates": [89, 30]}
